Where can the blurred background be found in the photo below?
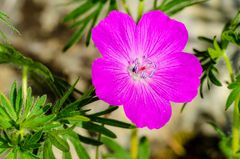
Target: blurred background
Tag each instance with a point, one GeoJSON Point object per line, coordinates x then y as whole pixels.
{"type": "Point", "coordinates": [187, 135]}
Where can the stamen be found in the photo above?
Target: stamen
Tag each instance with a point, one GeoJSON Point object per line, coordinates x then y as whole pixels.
{"type": "Point", "coordinates": [141, 68]}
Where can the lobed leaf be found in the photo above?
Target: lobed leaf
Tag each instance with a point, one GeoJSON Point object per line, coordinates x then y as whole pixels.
{"type": "Point", "coordinates": [9, 55]}
{"type": "Point", "coordinates": [6, 104]}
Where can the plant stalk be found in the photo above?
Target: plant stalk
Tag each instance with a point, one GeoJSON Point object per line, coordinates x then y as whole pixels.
{"type": "Point", "coordinates": [140, 9]}
{"type": "Point", "coordinates": [235, 129]}
{"type": "Point", "coordinates": [97, 148]}
{"type": "Point", "coordinates": [24, 84]}
{"type": "Point", "coordinates": [235, 123]}
{"type": "Point", "coordinates": [125, 6]}
{"type": "Point", "coordinates": [155, 4]}
{"type": "Point", "coordinates": [229, 66]}
{"type": "Point", "coordinates": [134, 143]}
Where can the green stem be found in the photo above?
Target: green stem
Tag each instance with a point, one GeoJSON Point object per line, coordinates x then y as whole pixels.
{"type": "Point", "coordinates": [229, 66]}
{"type": "Point", "coordinates": [140, 9]}
{"type": "Point", "coordinates": [24, 84]}
{"type": "Point", "coordinates": [155, 4]}
{"type": "Point", "coordinates": [126, 7]}
{"type": "Point", "coordinates": [97, 148]}
{"type": "Point", "coordinates": [134, 143]}
{"type": "Point", "coordinates": [235, 123]}
{"type": "Point", "coordinates": [235, 129]}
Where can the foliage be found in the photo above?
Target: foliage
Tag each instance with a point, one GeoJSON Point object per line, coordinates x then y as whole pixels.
{"type": "Point", "coordinates": [209, 60]}
{"type": "Point", "coordinates": [172, 7]}
{"type": "Point", "coordinates": [9, 55]}
{"type": "Point", "coordinates": [34, 127]}
{"type": "Point", "coordinates": [84, 17]}
{"type": "Point", "coordinates": [5, 19]}
{"type": "Point", "coordinates": [31, 125]}
{"type": "Point", "coordinates": [118, 152]}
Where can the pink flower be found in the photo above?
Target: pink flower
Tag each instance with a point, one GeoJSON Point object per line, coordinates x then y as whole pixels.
{"type": "Point", "coordinates": [143, 67]}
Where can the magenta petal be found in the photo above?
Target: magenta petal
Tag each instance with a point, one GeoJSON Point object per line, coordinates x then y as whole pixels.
{"type": "Point", "coordinates": [109, 78]}
{"type": "Point", "coordinates": [158, 34]}
{"type": "Point", "coordinates": [177, 78]}
{"type": "Point", "coordinates": [145, 108]}
{"type": "Point", "coordinates": [114, 36]}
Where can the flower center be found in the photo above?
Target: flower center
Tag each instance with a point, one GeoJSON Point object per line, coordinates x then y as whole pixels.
{"type": "Point", "coordinates": [141, 68]}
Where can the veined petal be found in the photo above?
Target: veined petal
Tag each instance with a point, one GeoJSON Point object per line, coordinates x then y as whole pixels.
{"type": "Point", "coordinates": [114, 36]}
{"type": "Point", "coordinates": [177, 77]}
{"type": "Point", "coordinates": [109, 78]}
{"type": "Point", "coordinates": [146, 108]}
{"type": "Point", "coordinates": [158, 34]}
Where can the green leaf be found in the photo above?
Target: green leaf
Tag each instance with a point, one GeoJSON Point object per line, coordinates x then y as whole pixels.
{"type": "Point", "coordinates": [78, 11]}
{"type": "Point", "coordinates": [7, 106]}
{"type": "Point", "coordinates": [233, 85]}
{"type": "Point", "coordinates": [29, 103]}
{"type": "Point", "coordinates": [35, 137]}
{"type": "Point", "coordinates": [116, 148]}
{"type": "Point", "coordinates": [232, 96]}
{"type": "Point", "coordinates": [18, 103]}
{"type": "Point", "coordinates": [98, 128]}
{"type": "Point", "coordinates": [217, 52]}
{"type": "Point", "coordinates": [112, 122]}
{"type": "Point", "coordinates": [11, 155]}
{"type": "Point", "coordinates": [231, 32]}
{"type": "Point", "coordinates": [76, 105]}
{"type": "Point", "coordinates": [144, 149]}
{"type": "Point", "coordinates": [76, 118]}
{"type": "Point", "coordinates": [81, 151]}
{"type": "Point", "coordinates": [89, 141]}
{"type": "Point", "coordinates": [13, 95]}
{"type": "Point", "coordinates": [5, 123]}
{"type": "Point", "coordinates": [84, 18]}
{"type": "Point", "coordinates": [47, 150]}
{"type": "Point", "coordinates": [220, 133]}
{"type": "Point", "coordinates": [38, 121]}
{"type": "Point", "coordinates": [59, 104]}
{"type": "Point", "coordinates": [51, 126]}
{"type": "Point", "coordinates": [9, 55]}
{"type": "Point", "coordinates": [66, 155]}
{"type": "Point", "coordinates": [39, 112]}
{"type": "Point", "coordinates": [5, 19]}
{"type": "Point", "coordinates": [27, 155]}
{"type": "Point", "coordinates": [59, 142]}
{"type": "Point", "coordinates": [213, 79]}
{"type": "Point", "coordinates": [75, 37]}
{"type": "Point", "coordinates": [210, 41]}
{"type": "Point", "coordinates": [171, 7]}
{"type": "Point", "coordinates": [232, 36]}
{"type": "Point", "coordinates": [38, 108]}
{"type": "Point", "coordinates": [110, 109]}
